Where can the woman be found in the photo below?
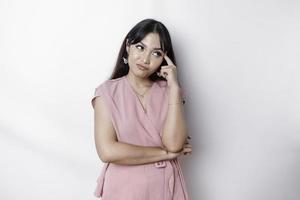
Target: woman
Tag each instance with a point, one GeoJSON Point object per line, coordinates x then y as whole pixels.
{"type": "Point", "coordinates": [140, 128]}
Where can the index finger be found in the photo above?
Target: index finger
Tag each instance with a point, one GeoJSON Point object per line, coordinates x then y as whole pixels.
{"type": "Point", "coordinates": [169, 61]}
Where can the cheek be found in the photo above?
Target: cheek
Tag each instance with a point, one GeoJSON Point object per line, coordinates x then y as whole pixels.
{"type": "Point", "coordinates": [156, 64]}
{"type": "Point", "coordinates": [134, 56]}
{"type": "Point", "coordinates": [158, 61]}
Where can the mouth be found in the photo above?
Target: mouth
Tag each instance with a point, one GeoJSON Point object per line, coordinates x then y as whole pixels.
{"type": "Point", "coordinates": [141, 67]}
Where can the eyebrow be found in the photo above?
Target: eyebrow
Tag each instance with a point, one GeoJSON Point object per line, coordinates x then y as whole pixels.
{"type": "Point", "coordinates": [153, 48]}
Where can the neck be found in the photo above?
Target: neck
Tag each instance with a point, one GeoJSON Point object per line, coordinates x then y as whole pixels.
{"type": "Point", "coordinates": [139, 82]}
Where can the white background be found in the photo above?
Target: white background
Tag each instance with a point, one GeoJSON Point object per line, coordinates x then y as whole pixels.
{"type": "Point", "coordinates": [238, 62]}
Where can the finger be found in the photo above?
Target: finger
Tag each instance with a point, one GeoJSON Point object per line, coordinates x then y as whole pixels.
{"type": "Point", "coordinates": [187, 152]}
{"type": "Point", "coordinates": [166, 70]}
{"type": "Point", "coordinates": [187, 149]}
{"type": "Point", "coordinates": [163, 73]}
{"type": "Point", "coordinates": [159, 74]}
{"type": "Point", "coordinates": [167, 67]}
{"type": "Point", "coordinates": [169, 61]}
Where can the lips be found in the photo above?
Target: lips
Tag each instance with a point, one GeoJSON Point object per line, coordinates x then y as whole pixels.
{"type": "Point", "coordinates": [142, 67]}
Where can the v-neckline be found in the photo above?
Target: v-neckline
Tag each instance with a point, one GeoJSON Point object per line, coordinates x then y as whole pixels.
{"type": "Point", "coordinates": [147, 98]}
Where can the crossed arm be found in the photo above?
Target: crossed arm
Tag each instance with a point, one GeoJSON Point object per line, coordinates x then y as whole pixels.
{"type": "Point", "coordinates": [109, 149]}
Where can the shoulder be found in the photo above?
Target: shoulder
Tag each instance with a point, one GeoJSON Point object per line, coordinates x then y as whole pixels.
{"type": "Point", "coordinates": [109, 85]}
{"type": "Point", "coordinates": [106, 88]}
{"type": "Point", "coordinates": [113, 82]}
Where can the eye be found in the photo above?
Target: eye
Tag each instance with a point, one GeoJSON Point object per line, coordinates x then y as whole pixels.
{"type": "Point", "coordinates": [158, 54]}
{"type": "Point", "coordinates": [140, 47]}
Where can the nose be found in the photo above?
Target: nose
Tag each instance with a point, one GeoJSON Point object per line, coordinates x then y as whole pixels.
{"type": "Point", "coordinates": [146, 59]}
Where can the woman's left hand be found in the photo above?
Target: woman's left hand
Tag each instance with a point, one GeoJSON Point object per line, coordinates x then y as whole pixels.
{"type": "Point", "coordinates": [169, 72]}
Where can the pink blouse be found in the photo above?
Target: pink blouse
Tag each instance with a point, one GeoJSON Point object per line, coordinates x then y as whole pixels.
{"type": "Point", "coordinates": [162, 180]}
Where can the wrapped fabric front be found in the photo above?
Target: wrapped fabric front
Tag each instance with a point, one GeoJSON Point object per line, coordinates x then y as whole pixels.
{"type": "Point", "coordinates": [162, 180]}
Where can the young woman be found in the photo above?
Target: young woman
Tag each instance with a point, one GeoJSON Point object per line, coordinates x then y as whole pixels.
{"type": "Point", "coordinates": [140, 129]}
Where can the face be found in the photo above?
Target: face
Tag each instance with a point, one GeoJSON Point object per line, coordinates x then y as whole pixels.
{"type": "Point", "coordinates": [145, 57]}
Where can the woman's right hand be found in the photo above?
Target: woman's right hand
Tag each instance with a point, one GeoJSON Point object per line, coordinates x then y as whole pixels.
{"type": "Point", "coordinates": [186, 150]}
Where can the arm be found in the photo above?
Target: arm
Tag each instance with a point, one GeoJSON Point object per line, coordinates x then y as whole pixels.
{"type": "Point", "coordinates": [129, 154]}
{"type": "Point", "coordinates": [110, 150]}
{"type": "Point", "coordinates": [175, 130]}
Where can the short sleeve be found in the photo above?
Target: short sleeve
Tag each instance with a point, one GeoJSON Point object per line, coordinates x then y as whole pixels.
{"type": "Point", "coordinates": [98, 92]}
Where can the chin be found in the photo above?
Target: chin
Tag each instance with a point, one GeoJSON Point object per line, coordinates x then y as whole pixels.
{"type": "Point", "coordinates": [140, 74]}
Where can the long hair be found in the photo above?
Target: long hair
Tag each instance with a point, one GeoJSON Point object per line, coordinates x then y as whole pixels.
{"type": "Point", "coordinates": [135, 35]}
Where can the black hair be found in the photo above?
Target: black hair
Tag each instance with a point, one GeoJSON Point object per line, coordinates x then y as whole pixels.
{"type": "Point", "coordinates": [135, 35]}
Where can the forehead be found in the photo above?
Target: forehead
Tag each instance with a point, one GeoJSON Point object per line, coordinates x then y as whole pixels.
{"type": "Point", "coordinates": [151, 40]}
